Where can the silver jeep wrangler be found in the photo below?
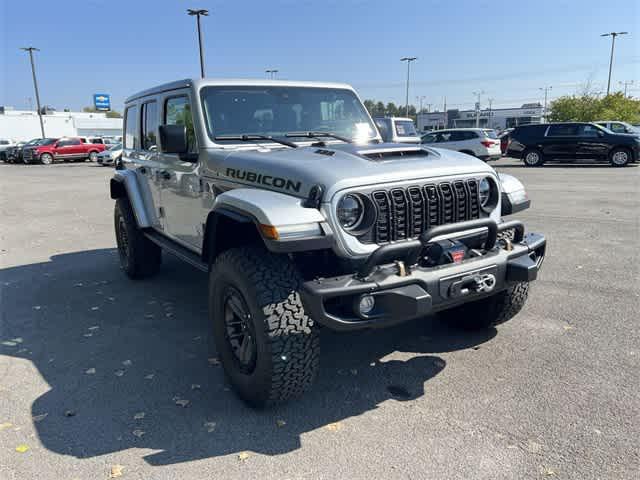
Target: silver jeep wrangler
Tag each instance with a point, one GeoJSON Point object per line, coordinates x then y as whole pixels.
{"type": "Point", "coordinates": [284, 193]}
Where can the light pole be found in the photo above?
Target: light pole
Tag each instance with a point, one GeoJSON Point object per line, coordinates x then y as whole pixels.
{"type": "Point", "coordinates": [271, 73]}
{"type": "Point", "coordinates": [35, 84]}
{"type": "Point", "coordinates": [546, 94]}
{"type": "Point", "coordinates": [478, 94]}
{"type": "Point", "coordinates": [199, 13]}
{"type": "Point", "coordinates": [613, 36]}
{"type": "Point", "coordinates": [626, 83]}
{"type": "Point", "coordinates": [408, 60]}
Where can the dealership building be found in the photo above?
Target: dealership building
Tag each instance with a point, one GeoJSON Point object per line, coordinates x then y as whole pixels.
{"type": "Point", "coordinates": [497, 118]}
{"type": "Point", "coordinates": [24, 124]}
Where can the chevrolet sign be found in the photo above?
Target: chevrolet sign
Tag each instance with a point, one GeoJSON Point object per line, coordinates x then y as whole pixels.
{"type": "Point", "coordinates": [102, 101]}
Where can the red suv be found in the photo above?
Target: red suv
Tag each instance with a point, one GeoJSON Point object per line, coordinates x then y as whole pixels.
{"type": "Point", "coordinates": [69, 148]}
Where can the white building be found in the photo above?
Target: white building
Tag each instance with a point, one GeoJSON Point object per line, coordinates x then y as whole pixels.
{"type": "Point", "coordinates": [25, 125]}
{"type": "Point", "coordinates": [498, 118]}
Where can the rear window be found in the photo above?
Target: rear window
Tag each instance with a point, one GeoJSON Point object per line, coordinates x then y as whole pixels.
{"type": "Point", "coordinates": [490, 134]}
{"type": "Point", "coordinates": [565, 130]}
{"type": "Point", "coordinates": [405, 128]}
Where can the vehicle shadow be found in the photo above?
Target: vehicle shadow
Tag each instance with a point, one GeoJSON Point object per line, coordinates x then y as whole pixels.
{"type": "Point", "coordinates": [519, 164]}
{"type": "Point", "coordinates": [127, 364]}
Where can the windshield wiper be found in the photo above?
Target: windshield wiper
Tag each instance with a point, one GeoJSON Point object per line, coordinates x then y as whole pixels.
{"type": "Point", "coordinates": [249, 138]}
{"type": "Point", "coordinates": [318, 135]}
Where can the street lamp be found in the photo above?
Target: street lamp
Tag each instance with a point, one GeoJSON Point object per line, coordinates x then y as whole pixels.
{"type": "Point", "coordinates": [546, 93]}
{"type": "Point", "coordinates": [35, 84]}
{"type": "Point", "coordinates": [613, 36]}
{"type": "Point", "coordinates": [199, 13]}
{"type": "Point", "coordinates": [626, 83]}
{"type": "Point", "coordinates": [271, 73]}
{"type": "Point", "coordinates": [478, 94]}
{"type": "Point", "coordinates": [408, 60]}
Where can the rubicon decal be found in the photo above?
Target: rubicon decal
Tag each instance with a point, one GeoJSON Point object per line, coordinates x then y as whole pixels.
{"type": "Point", "coordinates": [261, 179]}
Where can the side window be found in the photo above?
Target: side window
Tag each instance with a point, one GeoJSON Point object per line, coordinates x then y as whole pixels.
{"type": "Point", "coordinates": [456, 136]}
{"type": "Point", "coordinates": [177, 111]}
{"type": "Point", "coordinates": [131, 139]}
{"type": "Point", "coordinates": [149, 126]}
{"type": "Point", "coordinates": [564, 130]}
{"type": "Point", "coordinates": [430, 138]}
{"type": "Point", "coordinates": [469, 135]}
{"type": "Point", "coordinates": [618, 128]}
{"type": "Point", "coordinates": [589, 131]}
{"type": "Point", "coordinates": [64, 143]}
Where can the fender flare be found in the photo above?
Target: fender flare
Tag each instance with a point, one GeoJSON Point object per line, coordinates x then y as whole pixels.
{"type": "Point", "coordinates": [265, 207]}
{"type": "Point", "coordinates": [125, 184]}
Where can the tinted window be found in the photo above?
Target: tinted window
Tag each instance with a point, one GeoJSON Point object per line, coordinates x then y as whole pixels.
{"type": "Point", "coordinates": [131, 139]}
{"type": "Point", "coordinates": [617, 128]}
{"type": "Point", "coordinates": [589, 131]}
{"type": "Point", "coordinates": [457, 136]}
{"type": "Point", "coordinates": [430, 138]}
{"type": "Point", "coordinates": [69, 141]}
{"type": "Point", "coordinates": [567, 130]}
{"type": "Point", "coordinates": [4, 142]}
{"type": "Point", "coordinates": [405, 128]}
{"type": "Point", "coordinates": [149, 126]}
{"type": "Point", "coordinates": [178, 112]}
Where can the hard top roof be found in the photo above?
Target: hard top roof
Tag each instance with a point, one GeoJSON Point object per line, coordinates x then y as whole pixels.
{"type": "Point", "coordinates": [240, 82]}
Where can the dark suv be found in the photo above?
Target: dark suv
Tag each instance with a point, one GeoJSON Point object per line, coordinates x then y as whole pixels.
{"type": "Point", "coordinates": [536, 144]}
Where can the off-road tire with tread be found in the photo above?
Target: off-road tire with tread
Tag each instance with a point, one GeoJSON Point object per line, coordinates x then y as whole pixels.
{"type": "Point", "coordinates": [491, 311]}
{"type": "Point", "coordinates": [139, 256]}
{"type": "Point", "coordinates": [287, 339]}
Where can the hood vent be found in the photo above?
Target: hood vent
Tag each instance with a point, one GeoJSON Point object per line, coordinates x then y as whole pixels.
{"type": "Point", "coordinates": [380, 154]}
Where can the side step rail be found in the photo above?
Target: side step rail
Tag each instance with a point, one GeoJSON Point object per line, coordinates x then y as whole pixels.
{"type": "Point", "coordinates": [176, 249]}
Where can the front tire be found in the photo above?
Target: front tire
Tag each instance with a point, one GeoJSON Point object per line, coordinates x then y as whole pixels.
{"type": "Point", "coordinates": [620, 157]}
{"type": "Point", "coordinates": [491, 311]}
{"type": "Point", "coordinates": [533, 158]}
{"type": "Point", "coordinates": [268, 346]}
{"type": "Point", "coordinates": [46, 159]}
{"type": "Point", "coordinates": [139, 256]}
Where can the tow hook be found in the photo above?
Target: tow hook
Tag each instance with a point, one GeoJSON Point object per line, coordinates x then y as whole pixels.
{"type": "Point", "coordinates": [403, 271]}
{"type": "Point", "coordinates": [475, 283]}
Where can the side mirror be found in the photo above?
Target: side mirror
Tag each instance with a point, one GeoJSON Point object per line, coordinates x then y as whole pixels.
{"type": "Point", "coordinates": [600, 133]}
{"type": "Point", "coordinates": [514, 197]}
{"type": "Point", "coordinates": [173, 139]}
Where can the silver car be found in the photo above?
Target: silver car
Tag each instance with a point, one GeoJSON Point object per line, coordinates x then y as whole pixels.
{"type": "Point", "coordinates": [111, 155]}
{"type": "Point", "coordinates": [284, 193]}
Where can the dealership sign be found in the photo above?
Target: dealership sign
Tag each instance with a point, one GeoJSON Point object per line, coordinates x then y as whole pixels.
{"type": "Point", "coordinates": [102, 101]}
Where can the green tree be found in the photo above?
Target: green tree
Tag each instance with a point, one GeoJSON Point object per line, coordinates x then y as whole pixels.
{"type": "Point", "coordinates": [589, 107]}
{"type": "Point", "coordinates": [110, 113]}
{"type": "Point", "coordinates": [370, 105]}
{"type": "Point", "coordinates": [391, 110]}
{"type": "Point", "coordinates": [379, 108]}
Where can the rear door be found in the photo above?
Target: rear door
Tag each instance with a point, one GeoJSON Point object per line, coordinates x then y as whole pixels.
{"type": "Point", "coordinates": [561, 141]}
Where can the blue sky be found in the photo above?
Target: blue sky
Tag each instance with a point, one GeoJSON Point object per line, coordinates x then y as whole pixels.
{"type": "Point", "coordinates": [507, 48]}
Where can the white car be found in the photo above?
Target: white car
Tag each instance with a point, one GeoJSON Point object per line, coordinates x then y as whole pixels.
{"type": "Point", "coordinates": [111, 155]}
{"type": "Point", "coordinates": [619, 127]}
{"type": "Point", "coordinates": [482, 143]}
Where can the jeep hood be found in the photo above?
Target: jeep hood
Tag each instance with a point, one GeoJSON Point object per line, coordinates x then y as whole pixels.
{"type": "Point", "coordinates": [338, 166]}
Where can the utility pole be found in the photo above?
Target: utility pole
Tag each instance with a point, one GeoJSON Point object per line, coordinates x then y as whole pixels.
{"type": "Point", "coordinates": [626, 83]}
{"type": "Point", "coordinates": [478, 94]}
{"type": "Point", "coordinates": [546, 94]}
{"type": "Point", "coordinates": [490, 100]}
{"type": "Point", "coordinates": [408, 60]}
{"type": "Point", "coordinates": [420, 99]}
{"type": "Point", "coordinates": [271, 73]}
{"type": "Point", "coordinates": [35, 84]}
{"type": "Point", "coordinates": [613, 36]}
{"type": "Point", "coordinates": [199, 13]}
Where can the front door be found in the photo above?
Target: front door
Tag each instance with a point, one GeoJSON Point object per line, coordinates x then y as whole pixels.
{"type": "Point", "coordinates": [561, 141]}
{"type": "Point", "coordinates": [592, 142]}
{"type": "Point", "coordinates": [182, 193]}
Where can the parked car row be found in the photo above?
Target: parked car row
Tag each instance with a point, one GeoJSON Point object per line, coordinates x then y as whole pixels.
{"type": "Point", "coordinates": [50, 150]}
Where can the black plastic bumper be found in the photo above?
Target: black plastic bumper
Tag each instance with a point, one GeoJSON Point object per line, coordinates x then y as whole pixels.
{"type": "Point", "coordinates": [422, 291]}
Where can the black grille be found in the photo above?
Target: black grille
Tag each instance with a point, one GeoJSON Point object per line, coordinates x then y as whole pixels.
{"type": "Point", "coordinates": [405, 213]}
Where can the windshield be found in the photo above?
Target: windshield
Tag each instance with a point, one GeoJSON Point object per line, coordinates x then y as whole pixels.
{"type": "Point", "coordinates": [47, 141]}
{"type": "Point", "coordinates": [276, 111]}
{"type": "Point", "coordinates": [405, 128]}
{"type": "Point", "coordinates": [117, 146]}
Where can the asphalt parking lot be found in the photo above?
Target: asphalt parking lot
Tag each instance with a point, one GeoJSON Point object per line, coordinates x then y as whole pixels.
{"type": "Point", "coordinates": [98, 371]}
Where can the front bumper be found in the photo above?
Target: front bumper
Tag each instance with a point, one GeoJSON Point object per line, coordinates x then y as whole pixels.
{"type": "Point", "coordinates": [403, 293]}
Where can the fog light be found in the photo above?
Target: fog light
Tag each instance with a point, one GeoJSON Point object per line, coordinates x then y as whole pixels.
{"type": "Point", "coordinates": [366, 304]}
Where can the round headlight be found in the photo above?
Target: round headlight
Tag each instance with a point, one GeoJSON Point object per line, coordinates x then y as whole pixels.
{"type": "Point", "coordinates": [350, 211]}
{"type": "Point", "coordinates": [485, 191]}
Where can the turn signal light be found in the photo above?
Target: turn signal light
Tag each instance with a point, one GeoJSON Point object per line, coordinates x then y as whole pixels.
{"type": "Point", "coordinates": [269, 231]}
